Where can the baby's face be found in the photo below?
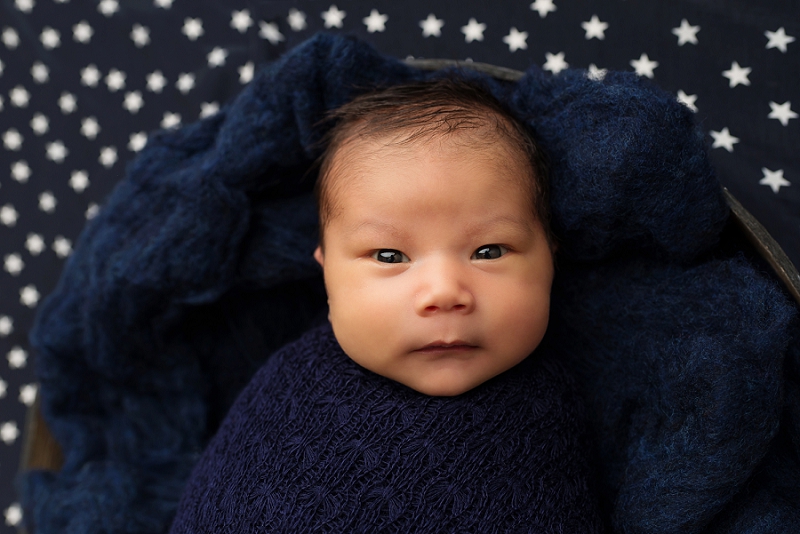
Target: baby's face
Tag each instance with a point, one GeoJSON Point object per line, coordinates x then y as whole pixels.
{"type": "Point", "coordinates": [437, 272]}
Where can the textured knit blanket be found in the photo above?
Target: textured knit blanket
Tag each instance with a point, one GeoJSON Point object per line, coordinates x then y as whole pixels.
{"type": "Point", "coordinates": [316, 443]}
{"type": "Point", "coordinates": [199, 266]}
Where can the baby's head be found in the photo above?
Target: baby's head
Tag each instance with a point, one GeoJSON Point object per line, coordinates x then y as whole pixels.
{"type": "Point", "coordinates": [434, 235]}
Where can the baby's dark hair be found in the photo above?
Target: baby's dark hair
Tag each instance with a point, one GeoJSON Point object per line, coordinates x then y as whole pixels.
{"type": "Point", "coordinates": [424, 110]}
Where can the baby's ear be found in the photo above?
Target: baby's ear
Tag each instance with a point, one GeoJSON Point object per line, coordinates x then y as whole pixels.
{"type": "Point", "coordinates": [318, 256]}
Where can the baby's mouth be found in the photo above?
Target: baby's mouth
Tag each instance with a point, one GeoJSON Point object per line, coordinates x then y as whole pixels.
{"type": "Point", "coordinates": [444, 347]}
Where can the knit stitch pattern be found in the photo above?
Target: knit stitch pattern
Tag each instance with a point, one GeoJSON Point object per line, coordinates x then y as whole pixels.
{"type": "Point", "coordinates": [199, 266]}
{"type": "Point", "coordinates": [316, 443]}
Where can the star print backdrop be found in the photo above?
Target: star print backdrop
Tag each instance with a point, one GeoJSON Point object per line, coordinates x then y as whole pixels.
{"type": "Point", "coordinates": [82, 84]}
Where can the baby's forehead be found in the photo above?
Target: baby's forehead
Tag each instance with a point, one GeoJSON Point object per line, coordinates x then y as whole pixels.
{"type": "Point", "coordinates": [399, 146]}
{"type": "Point", "coordinates": [357, 161]}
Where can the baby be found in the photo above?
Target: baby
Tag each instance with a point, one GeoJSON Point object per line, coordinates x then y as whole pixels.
{"type": "Point", "coordinates": [417, 408]}
{"type": "Point", "coordinates": [434, 236]}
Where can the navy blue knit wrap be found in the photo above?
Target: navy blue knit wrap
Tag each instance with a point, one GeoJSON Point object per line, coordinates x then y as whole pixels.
{"type": "Point", "coordinates": [199, 266]}
{"type": "Point", "coordinates": [317, 443]}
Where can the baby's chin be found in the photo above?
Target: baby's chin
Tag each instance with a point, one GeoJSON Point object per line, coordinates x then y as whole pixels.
{"type": "Point", "coordinates": [444, 390]}
{"type": "Point", "coordinates": [442, 384]}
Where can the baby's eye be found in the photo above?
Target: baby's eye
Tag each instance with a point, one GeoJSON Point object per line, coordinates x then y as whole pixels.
{"type": "Point", "coordinates": [489, 252]}
{"type": "Point", "coordinates": [387, 255]}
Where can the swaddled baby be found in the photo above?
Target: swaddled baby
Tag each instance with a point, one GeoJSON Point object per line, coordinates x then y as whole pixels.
{"type": "Point", "coordinates": [422, 406]}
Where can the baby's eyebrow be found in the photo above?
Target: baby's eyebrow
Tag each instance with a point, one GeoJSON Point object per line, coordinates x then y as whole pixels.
{"type": "Point", "coordinates": [497, 220]}
{"type": "Point", "coordinates": [380, 226]}
{"type": "Point", "coordinates": [502, 220]}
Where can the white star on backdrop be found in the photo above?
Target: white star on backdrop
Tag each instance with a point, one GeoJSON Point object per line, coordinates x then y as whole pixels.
{"type": "Point", "coordinates": [375, 22]}
{"type": "Point", "coordinates": [431, 26]}
{"type": "Point", "coordinates": [9, 432]}
{"type": "Point", "coordinates": [50, 38]}
{"type": "Point", "coordinates": [778, 39]}
{"type": "Point", "coordinates": [90, 75]}
{"type": "Point", "coordinates": [34, 243]}
{"type": "Point", "coordinates": [185, 82]}
{"type": "Point", "coordinates": [270, 32]}
{"type": "Point", "coordinates": [67, 102]}
{"type": "Point", "coordinates": [17, 357]}
{"type": "Point", "coordinates": [108, 7]}
{"type": "Point", "coordinates": [115, 80]}
{"type": "Point", "coordinates": [39, 72]}
{"type": "Point", "coordinates": [6, 325]}
{"type": "Point", "coordinates": [156, 81]}
{"type": "Point", "coordinates": [333, 17]}
{"type": "Point", "coordinates": [246, 72]}
{"type": "Point", "coordinates": [19, 97]}
{"type": "Point", "coordinates": [543, 7]}
{"type": "Point", "coordinates": [89, 127]}
{"type": "Point", "coordinates": [516, 40]}
{"type": "Point", "coordinates": [133, 101]}
{"type": "Point", "coordinates": [473, 31]}
{"type": "Point", "coordinates": [296, 20]}
{"type": "Point", "coordinates": [40, 124]}
{"type": "Point", "coordinates": [8, 215]}
{"type": "Point", "coordinates": [241, 20]}
{"type": "Point", "coordinates": [24, 5]}
{"type": "Point", "coordinates": [164, 4]}
{"type": "Point", "coordinates": [27, 394]}
{"type": "Point", "coordinates": [686, 33]}
{"type": "Point", "coordinates": [13, 264]}
{"type": "Point", "coordinates": [140, 35]}
{"type": "Point", "coordinates": [28, 296]}
{"type": "Point", "coordinates": [723, 139]}
{"type": "Point", "coordinates": [12, 139]}
{"type": "Point", "coordinates": [91, 211]}
{"type": "Point", "coordinates": [192, 28]}
{"type": "Point", "coordinates": [595, 28]}
{"type": "Point", "coordinates": [13, 515]}
{"type": "Point", "coordinates": [10, 38]}
{"type": "Point", "coordinates": [3, 386]}
{"type": "Point", "coordinates": [108, 156]}
{"type": "Point", "coordinates": [644, 66]}
{"type": "Point", "coordinates": [555, 62]}
{"type": "Point", "coordinates": [82, 32]}
{"type": "Point", "coordinates": [170, 120]}
{"type": "Point", "coordinates": [47, 202]}
{"type": "Point", "coordinates": [20, 171]}
{"type": "Point", "coordinates": [216, 58]}
{"type": "Point", "coordinates": [208, 108]}
{"type": "Point", "coordinates": [62, 246]}
{"type": "Point", "coordinates": [687, 100]}
{"type": "Point", "coordinates": [737, 75]}
{"type": "Point", "coordinates": [774, 179]}
{"type": "Point", "coordinates": [79, 181]}
{"type": "Point", "coordinates": [782, 112]}
{"type": "Point", "coordinates": [56, 151]}
{"type": "Point", "coordinates": [136, 142]}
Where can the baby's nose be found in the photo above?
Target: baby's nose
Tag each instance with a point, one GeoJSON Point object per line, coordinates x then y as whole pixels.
{"type": "Point", "coordinates": [444, 288]}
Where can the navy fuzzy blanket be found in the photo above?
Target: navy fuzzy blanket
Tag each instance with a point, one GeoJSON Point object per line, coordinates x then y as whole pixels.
{"type": "Point", "coordinates": [199, 267]}
{"type": "Point", "coordinates": [316, 443]}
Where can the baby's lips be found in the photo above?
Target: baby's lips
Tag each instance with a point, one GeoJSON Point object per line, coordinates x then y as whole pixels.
{"type": "Point", "coordinates": [456, 344]}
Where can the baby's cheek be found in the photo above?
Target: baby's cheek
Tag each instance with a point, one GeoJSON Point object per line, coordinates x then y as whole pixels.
{"type": "Point", "coordinates": [529, 313]}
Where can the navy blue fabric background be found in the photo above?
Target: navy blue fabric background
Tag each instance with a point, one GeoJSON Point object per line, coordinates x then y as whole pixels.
{"type": "Point", "coordinates": [83, 83]}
